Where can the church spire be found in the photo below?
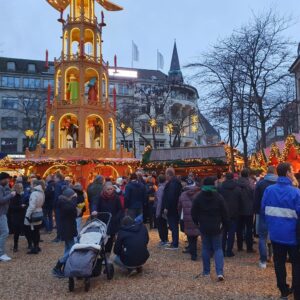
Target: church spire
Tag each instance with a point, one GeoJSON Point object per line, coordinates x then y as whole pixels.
{"type": "Point", "coordinates": [175, 74]}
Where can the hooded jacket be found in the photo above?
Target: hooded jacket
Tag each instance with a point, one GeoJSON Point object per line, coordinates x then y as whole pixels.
{"type": "Point", "coordinates": [135, 195]}
{"type": "Point", "coordinates": [247, 205]}
{"type": "Point", "coordinates": [232, 195]}
{"type": "Point", "coordinates": [36, 202]}
{"type": "Point", "coordinates": [185, 204]}
{"type": "Point", "coordinates": [210, 212]}
{"type": "Point", "coordinates": [5, 196]}
{"type": "Point", "coordinates": [68, 215]}
{"type": "Point", "coordinates": [131, 245]}
{"type": "Point", "coordinates": [281, 208]}
{"type": "Point", "coordinates": [261, 186]}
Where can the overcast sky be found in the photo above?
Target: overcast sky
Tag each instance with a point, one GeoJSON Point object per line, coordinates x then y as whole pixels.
{"type": "Point", "coordinates": [28, 27]}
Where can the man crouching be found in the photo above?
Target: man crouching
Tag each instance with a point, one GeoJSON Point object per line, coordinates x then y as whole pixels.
{"type": "Point", "coordinates": [131, 246]}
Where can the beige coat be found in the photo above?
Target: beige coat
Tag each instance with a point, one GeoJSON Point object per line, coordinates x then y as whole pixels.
{"type": "Point", "coordinates": [36, 202]}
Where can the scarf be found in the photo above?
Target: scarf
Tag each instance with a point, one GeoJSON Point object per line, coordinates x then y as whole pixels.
{"type": "Point", "coordinates": [208, 188]}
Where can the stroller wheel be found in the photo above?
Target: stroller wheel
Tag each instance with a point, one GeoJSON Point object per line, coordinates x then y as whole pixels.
{"type": "Point", "coordinates": [87, 284]}
{"type": "Point", "coordinates": [110, 271]}
{"type": "Point", "coordinates": [71, 284]}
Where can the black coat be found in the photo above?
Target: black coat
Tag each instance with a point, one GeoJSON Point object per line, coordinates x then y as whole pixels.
{"type": "Point", "coordinates": [131, 245]}
{"type": "Point", "coordinates": [114, 207]}
{"type": "Point", "coordinates": [210, 212]}
{"type": "Point", "coordinates": [93, 192]}
{"type": "Point", "coordinates": [247, 208]}
{"type": "Point", "coordinates": [68, 215]}
{"type": "Point", "coordinates": [232, 195]}
{"type": "Point", "coordinates": [17, 211]}
{"type": "Point", "coordinates": [49, 195]}
{"type": "Point", "coordinates": [171, 196]}
{"type": "Point", "coordinates": [135, 195]}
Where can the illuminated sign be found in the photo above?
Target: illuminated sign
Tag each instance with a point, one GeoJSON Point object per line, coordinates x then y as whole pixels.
{"type": "Point", "coordinates": [122, 73]}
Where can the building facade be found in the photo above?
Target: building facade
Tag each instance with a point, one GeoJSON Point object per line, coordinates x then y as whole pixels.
{"type": "Point", "coordinates": [153, 108]}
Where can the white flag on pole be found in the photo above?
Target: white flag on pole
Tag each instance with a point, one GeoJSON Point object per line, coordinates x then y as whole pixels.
{"type": "Point", "coordinates": [160, 61]}
{"type": "Point", "coordinates": [135, 52]}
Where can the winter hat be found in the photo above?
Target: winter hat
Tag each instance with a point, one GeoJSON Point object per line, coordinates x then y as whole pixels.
{"type": "Point", "coordinates": [209, 185]}
{"type": "Point", "coordinates": [69, 193]}
{"type": "Point", "coordinates": [119, 181]}
{"type": "Point", "coordinates": [4, 175]}
{"type": "Point", "coordinates": [77, 187]}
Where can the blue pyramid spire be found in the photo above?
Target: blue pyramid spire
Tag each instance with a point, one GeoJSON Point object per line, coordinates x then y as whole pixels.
{"type": "Point", "coordinates": [175, 74]}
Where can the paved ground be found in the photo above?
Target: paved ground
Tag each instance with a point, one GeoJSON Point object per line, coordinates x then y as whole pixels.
{"type": "Point", "coordinates": [167, 275]}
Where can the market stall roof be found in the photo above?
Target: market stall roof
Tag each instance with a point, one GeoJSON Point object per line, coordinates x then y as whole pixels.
{"type": "Point", "coordinates": [202, 152]}
{"type": "Point", "coordinates": [63, 4]}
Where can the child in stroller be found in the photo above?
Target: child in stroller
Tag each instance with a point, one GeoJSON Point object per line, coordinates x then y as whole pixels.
{"type": "Point", "coordinates": [88, 254]}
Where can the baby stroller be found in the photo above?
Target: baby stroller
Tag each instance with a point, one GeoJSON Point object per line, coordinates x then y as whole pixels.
{"type": "Point", "coordinates": [88, 254]}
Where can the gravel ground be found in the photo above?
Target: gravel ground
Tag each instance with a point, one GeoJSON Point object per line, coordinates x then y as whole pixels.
{"type": "Point", "coordinates": [167, 275]}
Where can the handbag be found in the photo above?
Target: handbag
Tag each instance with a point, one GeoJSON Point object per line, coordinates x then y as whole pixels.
{"type": "Point", "coordinates": [37, 217]}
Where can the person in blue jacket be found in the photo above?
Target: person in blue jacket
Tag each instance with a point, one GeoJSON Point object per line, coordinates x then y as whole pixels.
{"type": "Point", "coordinates": [281, 210]}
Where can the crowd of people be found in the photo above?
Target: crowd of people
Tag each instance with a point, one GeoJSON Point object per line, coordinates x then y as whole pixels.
{"type": "Point", "coordinates": [220, 210]}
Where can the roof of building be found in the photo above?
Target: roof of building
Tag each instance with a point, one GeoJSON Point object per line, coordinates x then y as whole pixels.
{"type": "Point", "coordinates": [207, 127]}
{"type": "Point", "coordinates": [175, 70]}
{"type": "Point", "coordinates": [22, 65]}
{"type": "Point", "coordinates": [203, 152]}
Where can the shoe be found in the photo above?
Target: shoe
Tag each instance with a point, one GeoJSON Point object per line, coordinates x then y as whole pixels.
{"type": "Point", "coordinates": [262, 265]}
{"type": "Point", "coordinates": [186, 251]}
{"type": "Point", "coordinates": [15, 249]}
{"type": "Point", "coordinates": [56, 240]}
{"type": "Point", "coordinates": [162, 244]}
{"type": "Point", "coordinates": [194, 258]}
{"type": "Point", "coordinates": [139, 270]}
{"type": "Point", "coordinates": [230, 254]}
{"type": "Point", "coordinates": [38, 249]}
{"type": "Point", "coordinates": [201, 275]}
{"type": "Point", "coordinates": [29, 247]}
{"type": "Point", "coordinates": [33, 251]}
{"type": "Point", "coordinates": [221, 278]}
{"type": "Point", "coordinates": [171, 247]}
{"type": "Point", "coordinates": [132, 272]}
{"type": "Point", "coordinates": [5, 257]}
{"type": "Point", "coordinates": [57, 270]}
{"type": "Point", "coordinates": [41, 241]}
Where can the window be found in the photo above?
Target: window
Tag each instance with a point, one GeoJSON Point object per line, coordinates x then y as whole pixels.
{"type": "Point", "coordinates": [32, 83]}
{"type": "Point", "coordinates": [9, 103]}
{"type": "Point", "coordinates": [9, 145]}
{"type": "Point", "coordinates": [142, 146]}
{"type": "Point", "coordinates": [146, 127]}
{"type": "Point", "coordinates": [30, 123]}
{"type": "Point", "coordinates": [12, 82]}
{"type": "Point", "coordinates": [111, 88]}
{"type": "Point", "coordinates": [127, 144]}
{"type": "Point", "coordinates": [46, 82]}
{"type": "Point", "coordinates": [279, 131]}
{"type": "Point", "coordinates": [11, 66]}
{"type": "Point", "coordinates": [160, 128]}
{"type": "Point", "coordinates": [33, 104]}
{"type": "Point", "coordinates": [160, 144]}
{"type": "Point", "coordinates": [9, 123]}
{"type": "Point", "coordinates": [31, 68]}
{"type": "Point", "coordinates": [51, 70]}
{"type": "Point", "coordinates": [123, 89]}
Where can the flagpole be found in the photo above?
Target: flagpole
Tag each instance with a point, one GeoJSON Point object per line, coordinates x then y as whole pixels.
{"type": "Point", "coordinates": [131, 54]}
{"type": "Point", "coordinates": [157, 58]}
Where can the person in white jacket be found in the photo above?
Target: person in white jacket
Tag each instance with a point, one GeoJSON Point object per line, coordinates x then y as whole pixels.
{"type": "Point", "coordinates": [34, 215]}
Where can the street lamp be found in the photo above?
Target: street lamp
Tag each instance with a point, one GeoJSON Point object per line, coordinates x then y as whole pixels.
{"type": "Point", "coordinates": [169, 128]}
{"type": "Point", "coordinates": [43, 140]}
{"type": "Point", "coordinates": [129, 130]}
{"type": "Point", "coordinates": [122, 125]}
{"type": "Point", "coordinates": [152, 123]}
{"type": "Point", "coordinates": [29, 134]}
